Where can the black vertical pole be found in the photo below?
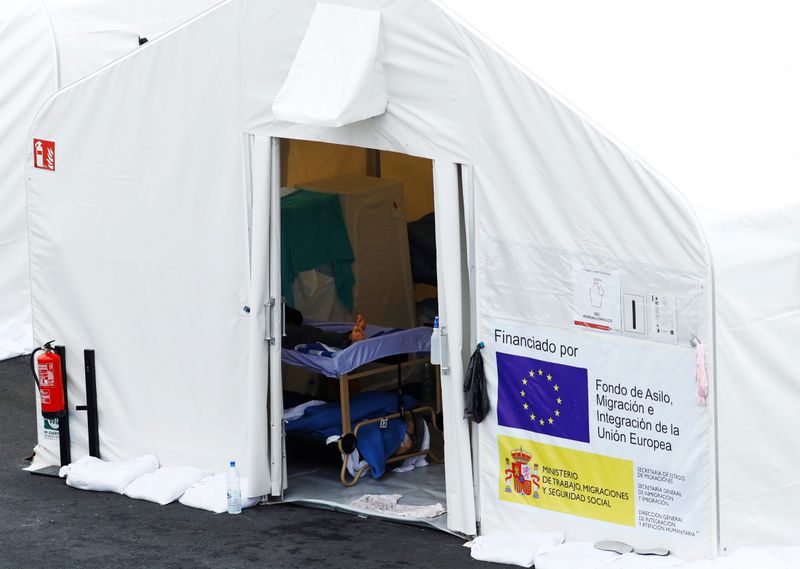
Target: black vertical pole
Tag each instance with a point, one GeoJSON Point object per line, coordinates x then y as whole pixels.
{"type": "Point", "coordinates": [63, 422]}
{"type": "Point", "coordinates": [373, 162]}
{"type": "Point", "coordinates": [91, 403]}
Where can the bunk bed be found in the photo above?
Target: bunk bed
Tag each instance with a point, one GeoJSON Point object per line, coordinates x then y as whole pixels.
{"type": "Point", "coordinates": [383, 350]}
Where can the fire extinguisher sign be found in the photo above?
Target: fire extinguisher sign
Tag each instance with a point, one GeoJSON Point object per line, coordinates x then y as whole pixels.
{"type": "Point", "coordinates": [44, 154]}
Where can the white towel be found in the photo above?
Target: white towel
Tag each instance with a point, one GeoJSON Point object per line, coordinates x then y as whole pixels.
{"type": "Point", "coordinates": [90, 473]}
{"type": "Point", "coordinates": [387, 504]}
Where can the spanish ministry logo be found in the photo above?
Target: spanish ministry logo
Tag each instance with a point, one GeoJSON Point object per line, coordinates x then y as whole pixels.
{"type": "Point", "coordinates": [543, 397]}
{"type": "Point", "coordinates": [520, 474]}
{"type": "Point", "coordinates": [44, 154]}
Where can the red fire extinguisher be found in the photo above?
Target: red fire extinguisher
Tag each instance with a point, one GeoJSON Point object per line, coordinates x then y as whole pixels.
{"type": "Point", "coordinates": [47, 373]}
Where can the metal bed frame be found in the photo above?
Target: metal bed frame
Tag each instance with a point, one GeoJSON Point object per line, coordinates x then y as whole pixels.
{"type": "Point", "coordinates": [349, 438]}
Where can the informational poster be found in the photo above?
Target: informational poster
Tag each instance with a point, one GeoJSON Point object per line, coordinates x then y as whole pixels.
{"type": "Point", "coordinates": [601, 428]}
{"type": "Point", "coordinates": [663, 318]}
{"type": "Point", "coordinates": [596, 296]}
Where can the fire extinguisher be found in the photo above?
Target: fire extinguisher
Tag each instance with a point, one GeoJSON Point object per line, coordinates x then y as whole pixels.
{"type": "Point", "coordinates": [49, 380]}
{"type": "Point", "coordinates": [38, 156]}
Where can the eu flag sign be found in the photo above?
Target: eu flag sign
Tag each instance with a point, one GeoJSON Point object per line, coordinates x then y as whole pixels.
{"type": "Point", "coordinates": [543, 397]}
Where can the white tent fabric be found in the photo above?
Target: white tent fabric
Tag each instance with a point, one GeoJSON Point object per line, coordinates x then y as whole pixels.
{"type": "Point", "coordinates": [24, 88]}
{"type": "Point", "coordinates": [156, 238]}
{"type": "Point", "coordinates": [705, 95]}
{"type": "Point", "coordinates": [93, 33]}
{"type": "Point", "coordinates": [44, 45]}
{"type": "Point", "coordinates": [182, 214]}
{"type": "Point", "coordinates": [341, 50]}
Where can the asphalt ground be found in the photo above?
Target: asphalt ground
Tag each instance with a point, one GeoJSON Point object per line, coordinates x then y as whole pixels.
{"type": "Point", "coordinates": [44, 523]}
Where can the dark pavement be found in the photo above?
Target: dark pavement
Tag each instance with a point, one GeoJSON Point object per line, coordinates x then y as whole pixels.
{"type": "Point", "coordinates": [44, 523]}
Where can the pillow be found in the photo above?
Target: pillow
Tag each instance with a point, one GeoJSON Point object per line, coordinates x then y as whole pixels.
{"type": "Point", "coordinates": [90, 473]}
{"type": "Point", "coordinates": [166, 484]}
{"type": "Point", "coordinates": [211, 494]}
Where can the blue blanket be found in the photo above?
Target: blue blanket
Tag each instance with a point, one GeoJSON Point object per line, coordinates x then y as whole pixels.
{"type": "Point", "coordinates": [375, 445]}
{"type": "Point", "coordinates": [380, 343]}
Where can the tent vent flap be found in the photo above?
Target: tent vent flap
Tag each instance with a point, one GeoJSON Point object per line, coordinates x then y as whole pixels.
{"type": "Point", "coordinates": [337, 77]}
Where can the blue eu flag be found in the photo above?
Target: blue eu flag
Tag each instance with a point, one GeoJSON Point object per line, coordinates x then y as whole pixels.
{"type": "Point", "coordinates": [543, 397]}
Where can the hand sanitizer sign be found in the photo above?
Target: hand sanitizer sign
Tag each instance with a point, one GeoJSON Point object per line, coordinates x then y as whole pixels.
{"type": "Point", "coordinates": [44, 154]}
{"type": "Point", "coordinates": [596, 296]}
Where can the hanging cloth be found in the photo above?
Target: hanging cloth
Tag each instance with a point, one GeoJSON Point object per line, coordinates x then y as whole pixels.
{"type": "Point", "coordinates": [313, 233]}
{"type": "Point", "coordinates": [477, 400]}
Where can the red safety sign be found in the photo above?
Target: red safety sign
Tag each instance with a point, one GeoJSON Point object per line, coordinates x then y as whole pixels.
{"type": "Point", "coordinates": [44, 154]}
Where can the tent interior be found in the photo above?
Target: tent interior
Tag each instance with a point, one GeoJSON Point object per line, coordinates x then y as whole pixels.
{"type": "Point", "coordinates": [381, 210]}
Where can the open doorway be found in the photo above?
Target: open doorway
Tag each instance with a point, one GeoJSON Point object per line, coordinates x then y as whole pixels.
{"type": "Point", "coordinates": [358, 241]}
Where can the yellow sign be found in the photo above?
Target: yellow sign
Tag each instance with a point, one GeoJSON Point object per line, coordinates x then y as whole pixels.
{"type": "Point", "coordinates": [564, 480]}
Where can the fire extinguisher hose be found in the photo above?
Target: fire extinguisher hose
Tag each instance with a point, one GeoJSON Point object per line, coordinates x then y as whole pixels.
{"type": "Point", "coordinates": [33, 366]}
{"type": "Point", "coordinates": [45, 347]}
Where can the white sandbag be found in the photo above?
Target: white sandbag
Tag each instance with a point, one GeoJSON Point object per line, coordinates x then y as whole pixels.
{"type": "Point", "coordinates": [514, 549]}
{"type": "Point", "coordinates": [773, 557]}
{"type": "Point", "coordinates": [637, 561]}
{"type": "Point", "coordinates": [90, 473]}
{"type": "Point", "coordinates": [165, 485]}
{"type": "Point", "coordinates": [750, 557]}
{"type": "Point", "coordinates": [211, 494]}
{"type": "Point", "coordinates": [573, 555]}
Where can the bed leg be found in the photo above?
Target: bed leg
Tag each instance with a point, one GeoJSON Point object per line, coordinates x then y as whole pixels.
{"type": "Point", "coordinates": [355, 479]}
{"type": "Point", "coordinates": [344, 400]}
{"type": "Point", "coordinates": [434, 426]}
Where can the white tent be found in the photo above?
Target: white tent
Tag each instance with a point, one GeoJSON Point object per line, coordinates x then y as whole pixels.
{"type": "Point", "coordinates": [44, 45]}
{"type": "Point", "coordinates": [588, 275]}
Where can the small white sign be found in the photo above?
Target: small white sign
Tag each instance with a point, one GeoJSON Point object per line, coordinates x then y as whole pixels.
{"type": "Point", "coordinates": [663, 318]}
{"type": "Point", "coordinates": [50, 427]}
{"type": "Point", "coordinates": [633, 313]}
{"type": "Point", "coordinates": [596, 298]}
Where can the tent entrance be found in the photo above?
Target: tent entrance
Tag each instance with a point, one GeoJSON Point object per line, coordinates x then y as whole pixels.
{"type": "Point", "coordinates": [317, 485]}
{"type": "Point", "coordinates": [358, 238]}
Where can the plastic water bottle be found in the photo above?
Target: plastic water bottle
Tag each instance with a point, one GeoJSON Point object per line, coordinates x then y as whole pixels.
{"type": "Point", "coordinates": [436, 343]}
{"type": "Point", "coordinates": [234, 490]}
